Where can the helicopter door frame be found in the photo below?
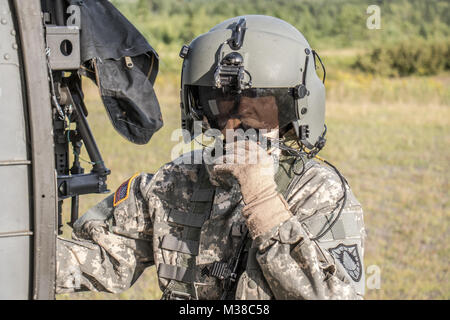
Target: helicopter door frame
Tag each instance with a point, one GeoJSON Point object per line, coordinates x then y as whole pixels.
{"type": "Point", "coordinates": [32, 48]}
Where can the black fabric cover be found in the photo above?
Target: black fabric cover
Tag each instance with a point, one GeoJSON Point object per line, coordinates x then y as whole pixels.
{"type": "Point", "coordinates": [107, 37]}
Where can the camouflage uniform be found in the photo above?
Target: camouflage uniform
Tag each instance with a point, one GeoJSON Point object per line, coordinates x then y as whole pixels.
{"type": "Point", "coordinates": [177, 220]}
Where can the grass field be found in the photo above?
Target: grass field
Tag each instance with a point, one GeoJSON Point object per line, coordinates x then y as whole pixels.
{"type": "Point", "coordinates": [389, 137]}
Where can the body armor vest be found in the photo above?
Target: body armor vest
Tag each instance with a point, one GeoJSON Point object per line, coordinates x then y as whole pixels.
{"type": "Point", "coordinates": [183, 278]}
{"type": "Point", "coordinates": [197, 246]}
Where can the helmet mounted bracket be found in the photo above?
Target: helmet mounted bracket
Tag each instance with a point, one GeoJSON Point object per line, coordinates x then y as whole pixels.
{"type": "Point", "coordinates": [230, 73]}
{"type": "Point", "coordinates": [300, 92]}
{"type": "Point", "coordinates": [237, 38]}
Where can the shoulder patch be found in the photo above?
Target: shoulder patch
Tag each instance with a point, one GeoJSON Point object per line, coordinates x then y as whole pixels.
{"type": "Point", "coordinates": [123, 191]}
{"type": "Point", "coordinates": [349, 258]}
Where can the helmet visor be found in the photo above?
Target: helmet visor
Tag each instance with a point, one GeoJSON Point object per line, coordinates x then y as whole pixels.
{"type": "Point", "coordinates": [258, 108]}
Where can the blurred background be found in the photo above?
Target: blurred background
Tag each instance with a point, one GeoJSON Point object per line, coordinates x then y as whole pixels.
{"type": "Point", "coordinates": [388, 116]}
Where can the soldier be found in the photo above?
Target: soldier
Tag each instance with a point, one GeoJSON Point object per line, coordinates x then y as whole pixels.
{"type": "Point", "coordinates": [286, 226]}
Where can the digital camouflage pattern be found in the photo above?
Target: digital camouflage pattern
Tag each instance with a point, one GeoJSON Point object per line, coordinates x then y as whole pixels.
{"type": "Point", "coordinates": [112, 246]}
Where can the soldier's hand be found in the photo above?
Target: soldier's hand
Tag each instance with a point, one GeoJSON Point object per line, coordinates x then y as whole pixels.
{"type": "Point", "coordinates": [249, 164]}
{"type": "Point", "coordinates": [253, 168]}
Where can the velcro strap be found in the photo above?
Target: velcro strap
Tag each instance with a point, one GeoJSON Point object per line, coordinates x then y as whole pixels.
{"type": "Point", "coordinates": [202, 195]}
{"type": "Point", "coordinates": [186, 219]}
{"type": "Point", "coordinates": [252, 263]}
{"type": "Point", "coordinates": [339, 231]}
{"type": "Point", "coordinates": [168, 271]}
{"type": "Point", "coordinates": [220, 270]}
{"type": "Point", "coordinates": [346, 227]}
{"type": "Point", "coordinates": [238, 229]}
{"type": "Point", "coordinates": [185, 246]}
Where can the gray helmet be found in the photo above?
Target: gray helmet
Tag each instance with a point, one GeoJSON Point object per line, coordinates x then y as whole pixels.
{"type": "Point", "coordinates": [255, 55]}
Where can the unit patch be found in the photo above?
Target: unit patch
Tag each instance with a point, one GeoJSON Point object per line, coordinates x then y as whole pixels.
{"type": "Point", "coordinates": [123, 191]}
{"type": "Point", "coordinates": [349, 258]}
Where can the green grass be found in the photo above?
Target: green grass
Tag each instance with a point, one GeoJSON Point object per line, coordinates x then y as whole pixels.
{"type": "Point", "coordinates": [168, 24]}
{"type": "Point", "coordinates": [389, 137]}
{"type": "Point", "coordinates": [396, 158]}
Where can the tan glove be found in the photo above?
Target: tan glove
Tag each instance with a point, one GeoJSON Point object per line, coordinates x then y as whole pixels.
{"type": "Point", "coordinates": [253, 168]}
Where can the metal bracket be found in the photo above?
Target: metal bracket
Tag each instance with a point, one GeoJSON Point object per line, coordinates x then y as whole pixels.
{"type": "Point", "coordinates": [64, 45]}
{"type": "Point", "coordinates": [304, 132]}
{"type": "Point", "coordinates": [230, 72]}
{"type": "Point", "coordinates": [94, 182]}
{"type": "Point", "coordinates": [237, 38]}
{"type": "Point", "coordinates": [184, 51]}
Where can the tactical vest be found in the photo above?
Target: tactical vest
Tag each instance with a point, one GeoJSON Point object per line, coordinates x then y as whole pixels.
{"type": "Point", "coordinates": [182, 275]}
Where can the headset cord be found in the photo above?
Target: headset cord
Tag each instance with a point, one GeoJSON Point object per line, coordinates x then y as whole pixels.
{"type": "Point", "coordinates": [299, 154]}
{"type": "Point", "coordinates": [343, 199]}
